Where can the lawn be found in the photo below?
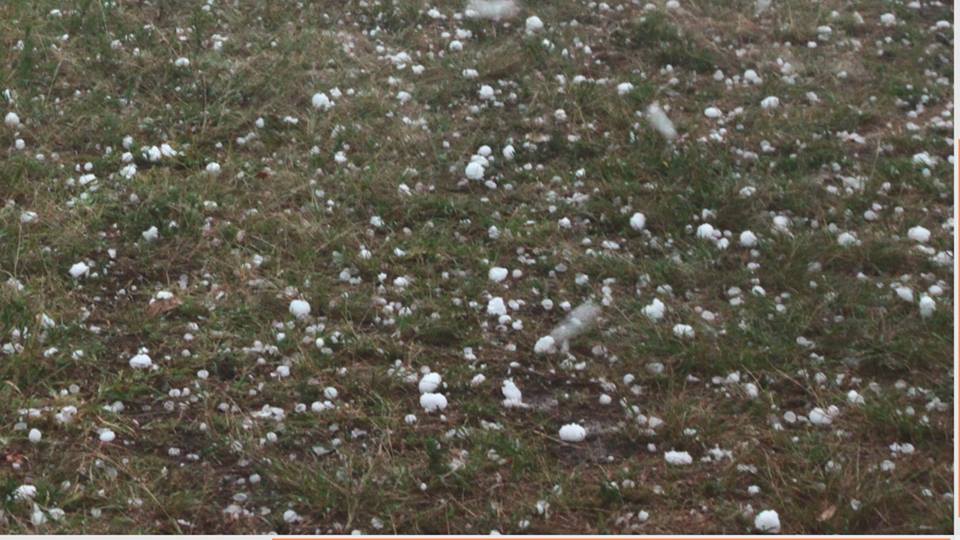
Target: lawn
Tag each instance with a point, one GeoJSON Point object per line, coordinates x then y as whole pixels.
{"type": "Point", "coordinates": [395, 266]}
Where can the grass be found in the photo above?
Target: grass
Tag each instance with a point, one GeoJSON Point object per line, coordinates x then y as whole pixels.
{"type": "Point", "coordinates": [216, 439]}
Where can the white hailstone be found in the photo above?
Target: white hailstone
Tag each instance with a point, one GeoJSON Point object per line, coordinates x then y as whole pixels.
{"type": "Point", "coordinates": [654, 310]}
{"type": "Point", "coordinates": [299, 308]}
{"type": "Point", "coordinates": [767, 521]}
{"type": "Point", "coordinates": [847, 239]}
{"type": "Point", "coordinates": [410, 419]}
{"type": "Point", "coordinates": [819, 417]}
{"type": "Point", "coordinates": [544, 345]}
{"type": "Point", "coordinates": [678, 458]}
{"type": "Point", "coordinates": [572, 433]}
{"type": "Point", "coordinates": [12, 120]}
{"type": "Point", "coordinates": [712, 112]}
{"type": "Point", "coordinates": [330, 392]}
{"type": "Point", "coordinates": [624, 88]}
{"type": "Point", "coordinates": [474, 171]}
{"type": "Point", "coordinates": [706, 231]}
{"type": "Point", "coordinates": [751, 77]}
{"type": "Point", "coordinates": [321, 101]}
{"type": "Point", "coordinates": [753, 490]}
{"type": "Point", "coordinates": [25, 492]}
{"type": "Point", "coordinates": [291, 516]}
{"type": "Point", "coordinates": [638, 221]}
{"type": "Point", "coordinates": [182, 62]}
{"type": "Point", "coordinates": [605, 399]}
{"type": "Point", "coordinates": [770, 102]}
{"type": "Point", "coordinates": [509, 152]}
{"type": "Point", "coordinates": [854, 398]}
{"type": "Point", "coordinates": [781, 223]}
{"type": "Point", "coordinates": [888, 19]}
{"type": "Point", "coordinates": [659, 120]}
{"type": "Point", "coordinates": [748, 239]}
{"type": "Point", "coordinates": [213, 168]}
{"type": "Point", "coordinates": [107, 435]}
{"type": "Point", "coordinates": [683, 331]}
{"type": "Point", "coordinates": [486, 92]}
{"type": "Point", "coordinates": [927, 306]}
{"type": "Point", "coordinates": [905, 294]}
{"type": "Point", "coordinates": [919, 234]}
{"type": "Point", "coordinates": [37, 517]}
{"type": "Point", "coordinates": [150, 234]}
{"type": "Point", "coordinates": [35, 436]}
{"type": "Point", "coordinates": [429, 382]}
{"type": "Point", "coordinates": [496, 307]}
{"type": "Point", "coordinates": [512, 397]}
{"type": "Point", "coordinates": [497, 274]}
{"type": "Point", "coordinates": [433, 402]}
{"type": "Point", "coordinates": [79, 269]}
{"type": "Point", "coordinates": [28, 217]}
{"type": "Point", "coordinates": [533, 24]}
{"type": "Point", "coordinates": [141, 361]}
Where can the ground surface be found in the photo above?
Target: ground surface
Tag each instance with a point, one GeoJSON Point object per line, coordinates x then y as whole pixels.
{"type": "Point", "coordinates": [814, 378]}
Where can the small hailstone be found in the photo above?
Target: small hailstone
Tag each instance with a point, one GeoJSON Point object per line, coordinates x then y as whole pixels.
{"type": "Point", "coordinates": [712, 112]}
{"type": "Point", "coordinates": [182, 62]}
{"type": "Point", "coordinates": [433, 402]}
{"type": "Point", "coordinates": [706, 231]}
{"type": "Point", "coordinates": [474, 171]}
{"type": "Point", "coordinates": [770, 102]}
{"type": "Point", "coordinates": [572, 433]}
{"type": "Point", "coordinates": [847, 239]}
{"type": "Point", "coordinates": [79, 269]}
{"type": "Point", "coordinates": [888, 19]}
{"type": "Point", "coordinates": [905, 294]}
{"type": "Point", "coordinates": [927, 306]}
{"type": "Point", "coordinates": [533, 24]}
{"type": "Point", "coordinates": [512, 396]}
{"type": "Point", "coordinates": [605, 399]}
{"type": "Point", "coordinates": [12, 120]}
{"type": "Point", "coordinates": [35, 436]}
{"type": "Point", "coordinates": [497, 274]}
{"type": "Point", "coordinates": [658, 118]}
{"type": "Point", "coordinates": [748, 239]}
{"type": "Point", "coordinates": [638, 221]}
{"type": "Point", "coordinates": [919, 234]}
{"type": "Point", "coordinates": [107, 435]}
{"type": "Point", "coordinates": [683, 331]}
{"type": "Point", "coordinates": [299, 308]}
{"type": "Point", "coordinates": [25, 492]}
{"type": "Point", "coordinates": [330, 392]}
{"type": "Point", "coordinates": [496, 307]}
{"type": "Point", "coordinates": [429, 383]}
{"type": "Point", "coordinates": [508, 152]}
{"type": "Point", "coordinates": [544, 345]}
{"type": "Point", "coordinates": [213, 168]}
{"type": "Point", "coordinates": [678, 458]}
{"type": "Point", "coordinates": [291, 516]}
{"type": "Point", "coordinates": [654, 310]}
{"type": "Point", "coordinates": [141, 361]}
{"type": "Point", "coordinates": [624, 88]}
{"type": "Point", "coordinates": [150, 234]}
{"type": "Point", "coordinates": [28, 216]}
{"type": "Point", "coordinates": [767, 521]}
{"type": "Point", "coordinates": [321, 101]}
{"type": "Point", "coordinates": [819, 417]}
{"type": "Point", "coordinates": [486, 92]}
